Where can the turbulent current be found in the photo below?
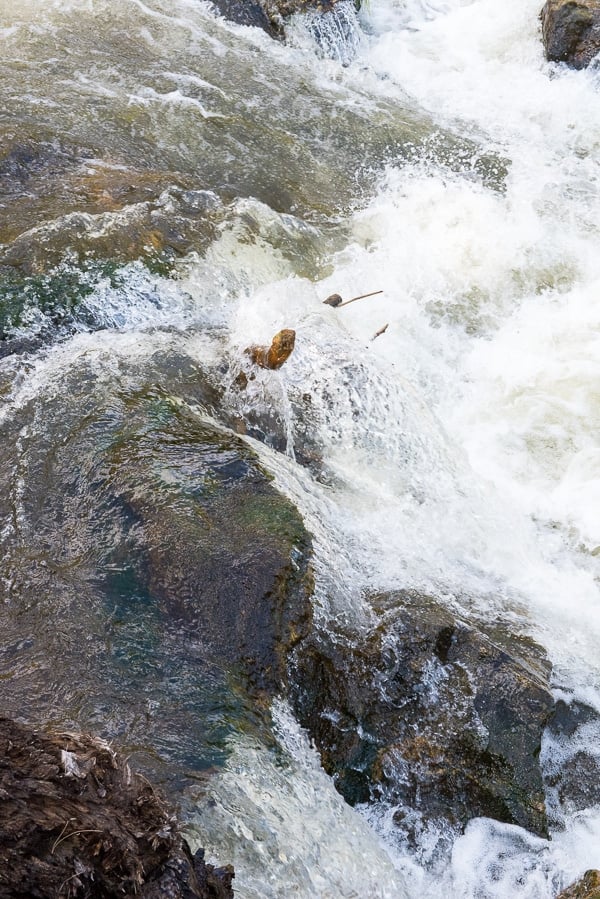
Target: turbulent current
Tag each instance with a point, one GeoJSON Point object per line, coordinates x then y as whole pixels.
{"type": "Point", "coordinates": [174, 188]}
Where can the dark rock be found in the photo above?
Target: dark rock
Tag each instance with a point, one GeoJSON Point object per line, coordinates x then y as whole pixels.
{"type": "Point", "coordinates": [75, 821]}
{"type": "Point", "coordinates": [270, 15]}
{"type": "Point", "coordinates": [159, 579]}
{"type": "Point", "coordinates": [17, 346]}
{"type": "Point", "coordinates": [247, 12]}
{"type": "Point", "coordinates": [224, 551]}
{"type": "Point", "coordinates": [431, 713]}
{"type": "Point", "coordinates": [572, 772]}
{"type": "Point", "coordinates": [571, 31]}
{"type": "Point", "coordinates": [586, 888]}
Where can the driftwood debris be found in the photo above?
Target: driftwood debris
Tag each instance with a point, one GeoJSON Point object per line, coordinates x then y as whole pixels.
{"type": "Point", "coordinates": [380, 332]}
{"type": "Point", "coordinates": [336, 301]}
{"type": "Point", "coordinates": [77, 823]}
{"type": "Point", "coordinates": [275, 355]}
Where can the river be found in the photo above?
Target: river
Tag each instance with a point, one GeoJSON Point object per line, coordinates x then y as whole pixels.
{"type": "Point", "coordinates": [229, 183]}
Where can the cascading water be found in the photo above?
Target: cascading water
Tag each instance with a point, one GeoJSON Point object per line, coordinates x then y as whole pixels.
{"type": "Point", "coordinates": [335, 34]}
{"type": "Point", "coordinates": [437, 158]}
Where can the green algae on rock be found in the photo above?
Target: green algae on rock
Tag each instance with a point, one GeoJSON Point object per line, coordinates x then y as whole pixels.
{"type": "Point", "coordinates": [163, 575]}
{"type": "Point", "coordinates": [224, 551]}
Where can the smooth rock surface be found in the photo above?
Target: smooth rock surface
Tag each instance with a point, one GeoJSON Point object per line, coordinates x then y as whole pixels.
{"type": "Point", "coordinates": [158, 579]}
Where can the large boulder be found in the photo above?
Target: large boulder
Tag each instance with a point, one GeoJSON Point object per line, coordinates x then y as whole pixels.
{"type": "Point", "coordinates": [430, 714]}
{"type": "Point", "coordinates": [75, 821]}
{"type": "Point", "coordinates": [223, 551]}
{"type": "Point", "coordinates": [571, 31]}
{"type": "Point", "coordinates": [158, 579]}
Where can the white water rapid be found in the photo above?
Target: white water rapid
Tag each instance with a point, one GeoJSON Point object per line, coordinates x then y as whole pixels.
{"type": "Point", "coordinates": [461, 447]}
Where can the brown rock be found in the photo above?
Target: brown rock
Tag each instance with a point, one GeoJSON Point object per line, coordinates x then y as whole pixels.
{"type": "Point", "coordinates": [571, 31]}
{"type": "Point", "coordinates": [274, 356]}
{"type": "Point", "coordinates": [586, 888]}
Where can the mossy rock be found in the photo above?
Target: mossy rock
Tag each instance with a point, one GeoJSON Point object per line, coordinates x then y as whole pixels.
{"type": "Point", "coordinates": [164, 577]}
{"type": "Point", "coordinates": [223, 550]}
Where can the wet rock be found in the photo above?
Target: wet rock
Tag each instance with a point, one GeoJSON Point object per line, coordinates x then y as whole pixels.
{"type": "Point", "coordinates": [571, 31]}
{"type": "Point", "coordinates": [431, 714]}
{"type": "Point", "coordinates": [586, 888]}
{"type": "Point", "coordinates": [120, 229]}
{"type": "Point", "coordinates": [247, 12]}
{"type": "Point", "coordinates": [67, 204]}
{"type": "Point", "coordinates": [75, 821]}
{"type": "Point", "coordinates": [46, 180]}
{"type": "Point", "coordinates": [572, 768]}
{"type": "Point", "coordinates": [223, 551]}
{"type": "Point", "coordinates": [158, 579]}
{"type": "Point", "coordinates": [17, 346]}
{"type": "Point", "coordinates": [273, 356]}
{"type": "Point", "coordinates": [270, 15]}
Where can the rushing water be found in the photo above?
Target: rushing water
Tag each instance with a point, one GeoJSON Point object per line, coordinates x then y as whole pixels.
{"type": "Point", "coordinates": [433, 155]}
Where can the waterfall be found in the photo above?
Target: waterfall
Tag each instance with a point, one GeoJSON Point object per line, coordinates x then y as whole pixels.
{"type": "Point", "coordinates": [334, 34]}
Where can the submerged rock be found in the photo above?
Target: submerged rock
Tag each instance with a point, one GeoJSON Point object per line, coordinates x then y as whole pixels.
{"type": "Point", "coordinates": [158, 577]}
{"type": "Point", "coordinates": [586, 888]}
{"type": "Point", "coordinates": [156, 231]}
{"type": "Point", "coordinates": [571, 31]}
{"type": "Point", "coordinates": [223, 551]}
{"type": "Point", "coordinates": [571, 759]}
{"type": "Point", "coordinates": [75, 821]}
{"type": "Point", "coordinates": [431, 714]}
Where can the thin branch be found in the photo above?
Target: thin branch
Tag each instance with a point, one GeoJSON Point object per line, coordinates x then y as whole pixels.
{"type": "Point", "coordinates": [65, 882]}
{"type": "Point", "coordinates": [361, 297]}
{"type": "Point", "coordinates": [74, 833]}
{"type": "Point", "coordinates": [61, 833]}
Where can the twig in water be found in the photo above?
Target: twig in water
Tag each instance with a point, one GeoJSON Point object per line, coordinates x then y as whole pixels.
{"type": "Point", "coordinates": [335, 299]}
{"type": "Point", "coordinates": [361, 297]}
{"type": "Point", "coordinates": [380, 332]}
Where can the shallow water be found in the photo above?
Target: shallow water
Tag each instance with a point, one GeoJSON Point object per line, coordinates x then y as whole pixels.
{"type": "Point", "coordinates": [458, 451]}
